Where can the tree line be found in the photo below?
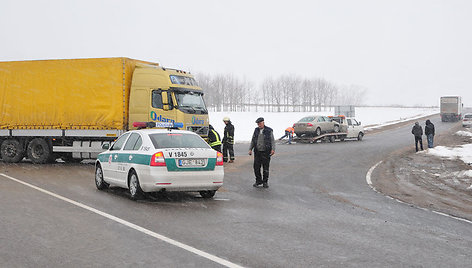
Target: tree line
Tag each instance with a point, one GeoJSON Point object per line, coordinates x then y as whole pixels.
{"type": "Point", "coordinates": [225, 92]}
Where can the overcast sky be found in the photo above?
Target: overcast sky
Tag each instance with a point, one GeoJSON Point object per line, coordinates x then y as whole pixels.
{"type": "Point", "coordinates": [404, 52]}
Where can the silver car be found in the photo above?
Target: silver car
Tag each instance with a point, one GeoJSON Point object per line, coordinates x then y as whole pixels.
{"type": "Point", "coordinates": [467, 120]}
{"type": "Point", "coordinates": [315, 125]}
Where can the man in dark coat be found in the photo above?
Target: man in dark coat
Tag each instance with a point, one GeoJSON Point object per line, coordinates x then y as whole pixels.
{"type": "Point", "coordinates": [418, 132]}
{"type": "Point", "coordinates": [429, 132]}
{"type": "Point", "coordinates": [228, 141]}
{"type": "Point", "coordinates": [263, 144]}
{"type": "Point", "coordinates": [214, 139]}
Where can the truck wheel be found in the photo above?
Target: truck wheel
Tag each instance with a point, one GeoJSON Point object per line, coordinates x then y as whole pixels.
{"type": "Point", "coordinates": [207, 194]}
{"type": "Point", "coordinates": [318, 132]}
{"type": "Point", "coordinates": [135, 190]}
{"type": "Point", "coordinates": [69, 159]}
{"type": "Point", "coordinates": [332, 139]}
{"type": "Point", "coordinates": [38, 151]}
{"type": "Point", "coordinates": [360, 136]}
{"type": "Point", "coordinates": [99, 181]}
{"type": "Point", "coordinates": [12, 151]}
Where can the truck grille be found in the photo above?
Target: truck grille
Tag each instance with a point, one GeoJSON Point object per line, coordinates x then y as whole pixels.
{"type": "Point", "coordinates": [203, 131]}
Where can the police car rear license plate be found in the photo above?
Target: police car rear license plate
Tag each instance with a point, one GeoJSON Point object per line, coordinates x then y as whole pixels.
{"type": "Point", "coordinates": [191, 162]}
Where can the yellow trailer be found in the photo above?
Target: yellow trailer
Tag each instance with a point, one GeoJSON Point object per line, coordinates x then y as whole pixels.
{"type": "Point", "coordinates": [69, 108]}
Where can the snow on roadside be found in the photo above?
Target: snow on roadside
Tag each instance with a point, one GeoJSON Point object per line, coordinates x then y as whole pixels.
{"type": "Point", "coordinates": [244, 122]}
{"type": "Point", "coordinates": [464, 133]}
{"type": "Point", "coordinates": [462, 152]}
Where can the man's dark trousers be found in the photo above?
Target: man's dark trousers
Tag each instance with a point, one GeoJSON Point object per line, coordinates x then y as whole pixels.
{"type": "Point", "coordinates": [261, 159]}
{"type": "Point", "coordinates": [228, 149]}
{"type": "Point", "coordinates": [418, 140]}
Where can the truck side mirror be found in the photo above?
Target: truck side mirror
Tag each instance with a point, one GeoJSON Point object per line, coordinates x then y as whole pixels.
{"type": "Point", "coordinates": [105, 146]}
{"type": "Point", "coordinates": [165, 103]}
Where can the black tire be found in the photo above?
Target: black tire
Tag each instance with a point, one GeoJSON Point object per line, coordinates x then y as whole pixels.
{"type": "Point", "coordinates": [341, 138]}
{"type": "Point", "coordinates": [332, 139]}
{"type": "Point", "coordinates": [360, 136]}
{"type": "Point", "coordinates": [12, 151]}
{"type": "Point", "coordinates": [99, 181]}
{"type": "Point", "coordinates": [38, 151]}
{"type": "Point", "coordinates": [69, 159]}
{"type": "Point", "coordinates": [336, 129]}
{"type": "Point", "coordinates": [207, 194]}
{"type": "Point", "coordinates": [318, 132]}
{"type": "Point", "coordinates": [135, 190]}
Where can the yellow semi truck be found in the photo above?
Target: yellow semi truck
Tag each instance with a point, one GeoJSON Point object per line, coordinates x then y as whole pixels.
{"type": "Point", "coordinates": [68, 108]}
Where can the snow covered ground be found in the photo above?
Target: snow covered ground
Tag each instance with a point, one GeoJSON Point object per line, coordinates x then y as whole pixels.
{"type": "Point", "coordinates": [462, 152]}
{"type": "Point", "coordinates": [244, 122]}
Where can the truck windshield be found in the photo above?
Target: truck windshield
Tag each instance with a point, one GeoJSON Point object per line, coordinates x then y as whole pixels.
{"type": "Point", "coordinates": [191, 102]}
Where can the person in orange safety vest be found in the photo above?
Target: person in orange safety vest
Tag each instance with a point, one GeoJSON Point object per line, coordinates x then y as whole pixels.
{"type": "Point", "coordinates": [288, 133]}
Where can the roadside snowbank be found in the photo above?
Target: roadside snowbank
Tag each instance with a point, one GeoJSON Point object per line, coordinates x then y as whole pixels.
{"type": "Point", "coordinates": [244, 122]}
{"type": "Point", "coordinates": [462, 152]}
{"type": "Point", "coordinates": [464, 133]}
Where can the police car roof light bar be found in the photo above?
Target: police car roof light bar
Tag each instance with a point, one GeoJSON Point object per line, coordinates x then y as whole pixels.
{"type": "Point", "coordinates": [168, 125]}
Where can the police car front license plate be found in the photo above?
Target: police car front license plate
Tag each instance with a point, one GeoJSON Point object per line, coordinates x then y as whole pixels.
{"type": "Point", "coordinates": [191, 162]}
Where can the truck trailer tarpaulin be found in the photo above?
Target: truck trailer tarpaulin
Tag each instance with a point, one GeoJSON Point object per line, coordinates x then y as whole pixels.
{"type": "Point", "coordinates": [65, 94]}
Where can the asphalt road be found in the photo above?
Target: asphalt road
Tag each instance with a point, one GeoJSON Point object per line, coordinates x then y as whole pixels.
{"type": "Point", "coordinates": [318, 211]}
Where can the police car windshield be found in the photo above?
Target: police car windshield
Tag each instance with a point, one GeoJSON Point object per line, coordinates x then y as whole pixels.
{"type": "Point", "coordinates": [177, 140]}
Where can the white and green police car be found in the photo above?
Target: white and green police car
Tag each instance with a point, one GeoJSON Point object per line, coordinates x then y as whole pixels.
{"type": "Point", "coordinates": [153, 160]}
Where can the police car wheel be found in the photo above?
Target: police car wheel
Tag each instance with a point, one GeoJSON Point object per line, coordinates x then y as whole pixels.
{"type": "Point", "coordinates": [318, 132]}
{"type": "Point", "coordinates": [99, 181]}
{"type": "Point", "coordinates": [134, 187]}
{"type": "Point", "coordinates": [207, 194]}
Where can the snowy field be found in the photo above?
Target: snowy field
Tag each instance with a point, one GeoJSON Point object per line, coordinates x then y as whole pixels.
{"type": "Point", "coordinates": [244, 122]}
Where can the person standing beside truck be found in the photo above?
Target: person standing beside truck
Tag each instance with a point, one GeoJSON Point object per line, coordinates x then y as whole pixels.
{"type": "Point", "coordinates": [418, 132]}
{"type": "Point", "coordinates": [429, 132]}
{"type": "Point", "coordinates": [228, 141]}
{"type": "Point", "coordinates": [214, 139]}
{"type": "Point", "coordinates": [263, 145]}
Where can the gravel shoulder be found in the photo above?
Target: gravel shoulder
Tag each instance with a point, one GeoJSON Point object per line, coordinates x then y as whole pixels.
{"type": "Point", "coordinates": [428, 181]}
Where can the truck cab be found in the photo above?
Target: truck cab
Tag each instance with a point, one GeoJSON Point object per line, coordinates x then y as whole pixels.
{"type": "Point", "coordinates": [351, 126]}
{"type": "Point", "coordinates": [166, 95]}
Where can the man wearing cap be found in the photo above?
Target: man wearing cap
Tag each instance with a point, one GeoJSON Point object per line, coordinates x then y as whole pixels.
{"type": "Point", "coordinates": [228, 141]}
{"type": "Point", "coordinates": [263, 144]}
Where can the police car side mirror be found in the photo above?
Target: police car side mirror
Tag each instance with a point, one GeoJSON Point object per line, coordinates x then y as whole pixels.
{"type": "Point", "coordinates": [105, 146]}
{"type": "Point", "coordinates": [359, 123]}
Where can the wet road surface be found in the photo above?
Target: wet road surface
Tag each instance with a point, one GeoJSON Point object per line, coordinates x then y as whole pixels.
{"type": "Point", "coordinates": [318, 211]}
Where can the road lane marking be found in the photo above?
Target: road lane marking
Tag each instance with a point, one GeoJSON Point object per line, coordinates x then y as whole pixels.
{"type": "Point", "coordinates": [368, 178]}
{"type": "Point", "coordinates": [131, 225]}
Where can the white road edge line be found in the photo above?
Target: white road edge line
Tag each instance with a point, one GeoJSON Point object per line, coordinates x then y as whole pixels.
{"type": "Point", "coordinates": [368, 179]}
{"type": "Point", "coordinates": [133, 226]}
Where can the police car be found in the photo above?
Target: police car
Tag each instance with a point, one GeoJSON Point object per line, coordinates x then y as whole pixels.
{"type": "Point", "coordinates": [152, 160]}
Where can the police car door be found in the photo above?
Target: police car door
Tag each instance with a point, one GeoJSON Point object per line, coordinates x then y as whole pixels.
{"type": "Point", "coordinates": [111, 167]}
{"type": "Point", "coordinates": [128, 155]}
